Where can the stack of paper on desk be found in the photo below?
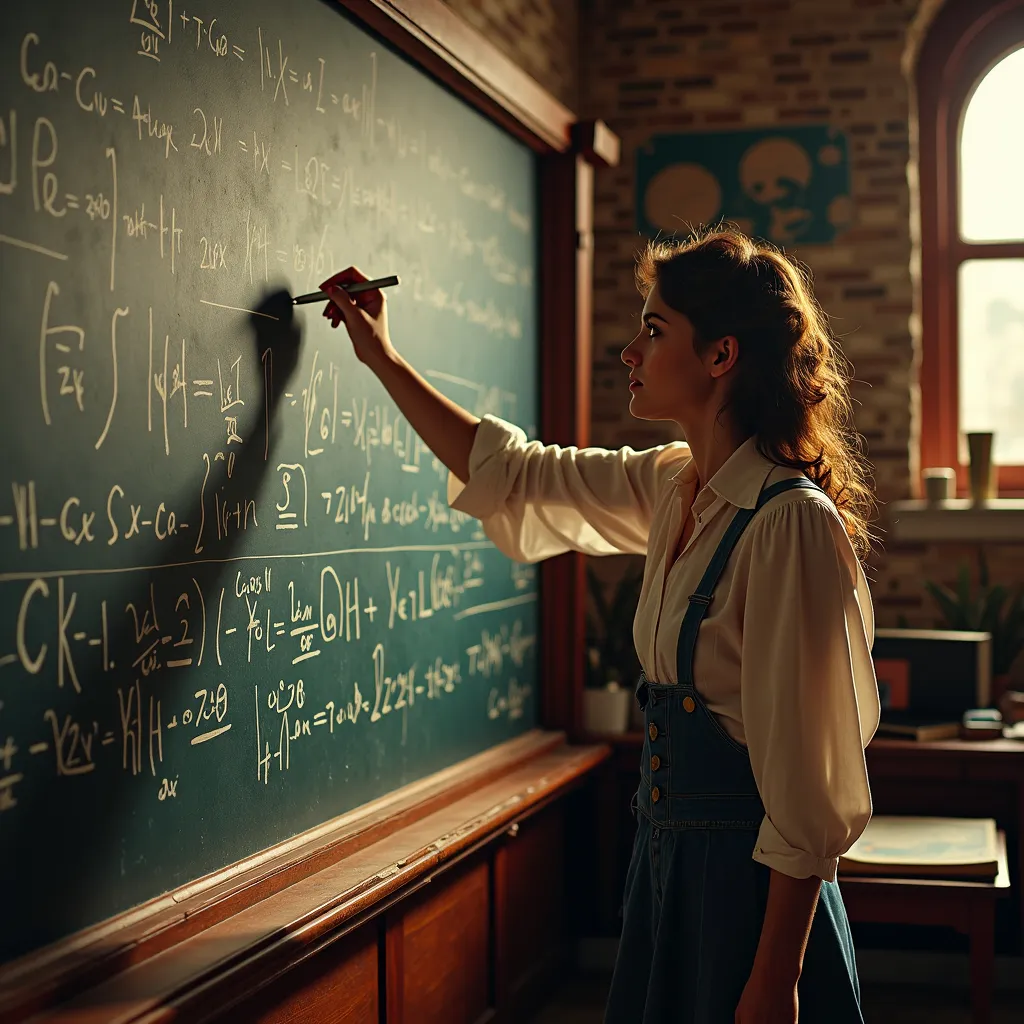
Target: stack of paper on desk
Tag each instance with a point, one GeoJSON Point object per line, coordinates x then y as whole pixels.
{"type": "Point", "coordinates": [924, 847]}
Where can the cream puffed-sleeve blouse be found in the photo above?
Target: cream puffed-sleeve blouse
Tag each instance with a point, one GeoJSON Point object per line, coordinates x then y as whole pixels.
{"type": "Point", "coordinates": [783, 658]}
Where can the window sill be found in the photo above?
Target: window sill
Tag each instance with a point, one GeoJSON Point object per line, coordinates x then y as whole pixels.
{"type": "Point", "coordinates": [958, 519]}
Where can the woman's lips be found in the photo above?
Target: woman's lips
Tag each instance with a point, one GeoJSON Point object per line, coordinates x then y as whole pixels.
{"type": "Point", "coordinates": [634, 385]}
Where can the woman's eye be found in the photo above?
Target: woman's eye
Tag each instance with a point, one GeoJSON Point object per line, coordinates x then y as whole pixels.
{"type": "Point", "coordinates": [652, 331]}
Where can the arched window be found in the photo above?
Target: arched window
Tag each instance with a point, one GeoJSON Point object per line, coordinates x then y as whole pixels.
{"type": "Point", "coordinates": [970, 163]}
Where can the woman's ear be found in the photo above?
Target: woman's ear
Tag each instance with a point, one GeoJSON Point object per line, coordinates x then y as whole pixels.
{"type": "Point", "coordinates": [721, 355]}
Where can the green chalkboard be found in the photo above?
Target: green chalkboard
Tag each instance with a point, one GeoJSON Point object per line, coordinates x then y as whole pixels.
{"type": "Point", "coordinates": [233, 600]}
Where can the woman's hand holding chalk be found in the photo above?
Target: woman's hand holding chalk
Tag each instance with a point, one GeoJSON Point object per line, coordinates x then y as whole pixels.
{"type": "Point", "coordinates": [352, 287]}
{"type": "Point", "coordinates": [362, 306]}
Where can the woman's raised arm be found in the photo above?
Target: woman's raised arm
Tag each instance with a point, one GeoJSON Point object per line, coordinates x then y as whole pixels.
{"type": "Point", "coordinates": [446, 428]}
{"type": "Point", "coordinates": [533, 500]}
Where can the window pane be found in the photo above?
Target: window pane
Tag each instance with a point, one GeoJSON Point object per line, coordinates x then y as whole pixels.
{"type": "Point", "coordinates": [991, 353]}
{"type": "Point", "coordinates": [992, 156]}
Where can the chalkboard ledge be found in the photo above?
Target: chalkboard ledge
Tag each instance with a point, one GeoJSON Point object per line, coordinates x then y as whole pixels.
{"type": "Point", "coordinates": [210, 940]}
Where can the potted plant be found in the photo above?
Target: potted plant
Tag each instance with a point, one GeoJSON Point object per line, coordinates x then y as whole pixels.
{"type": "Point", "coordinates": [992, 609]}
{"type": "Point", "coordinates": [612, 664]}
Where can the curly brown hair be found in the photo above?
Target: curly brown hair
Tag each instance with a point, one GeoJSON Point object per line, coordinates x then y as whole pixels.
{"type": "Point", "coordinates": [791, 387]}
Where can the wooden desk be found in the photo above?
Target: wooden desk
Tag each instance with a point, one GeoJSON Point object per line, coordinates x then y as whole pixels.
{"type": "Point", "coordinates": [959, 778]}
{"type": "Point", "coordinates": [967, 906]}
{"type": "Point", "coordinates": [979, 778]}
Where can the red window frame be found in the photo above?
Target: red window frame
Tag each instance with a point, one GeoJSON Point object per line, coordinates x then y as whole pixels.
{"type": "Point", "coordinates": [966, 39]}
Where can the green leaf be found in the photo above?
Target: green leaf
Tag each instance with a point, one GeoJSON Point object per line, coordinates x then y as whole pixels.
{"type": "Point", "coordinates": [993, 603]}
{"type": "Point", "coordinates": [964, 596]}
{"type": "Point", "coordinates": [597, 593]}
{"type": "Point", "coordinates": [613, 634]}
{"type": "Point", "coordinates": [946, 599]}
{"type": "Point", "coordinates": [626, 596]}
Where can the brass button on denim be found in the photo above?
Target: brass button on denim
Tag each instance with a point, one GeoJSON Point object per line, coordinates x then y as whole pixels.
{"type": "Point", "coordinates": [653, 731]}
{"type": "Point", "coordinates": [689, 704]}
{"type": "Point", "coordinates": [655, 795]}
{"type": "Point", "coordinates": [655, 763]}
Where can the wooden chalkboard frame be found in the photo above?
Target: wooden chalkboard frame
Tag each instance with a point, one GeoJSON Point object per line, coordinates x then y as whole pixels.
{"type": "Point", "coordinates": [436, 40]}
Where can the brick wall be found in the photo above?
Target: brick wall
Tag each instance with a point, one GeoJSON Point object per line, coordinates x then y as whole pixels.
{"type": "Point", "coordinates": [661, 67]}
{"type": "Point", "coordinates": [541, 36]}
{"type": "Point", "coordinates": [653, 66]}
{"type": "Point", "coordinates": [657, 66]}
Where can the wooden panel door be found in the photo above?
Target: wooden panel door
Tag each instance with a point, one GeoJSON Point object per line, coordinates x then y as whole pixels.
{"type": "Point", "coordinates": [439, 952]}
{"type": "Point", "coordinates": [530, 899]}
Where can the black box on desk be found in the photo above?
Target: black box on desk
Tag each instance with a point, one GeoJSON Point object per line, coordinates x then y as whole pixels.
{"type": "Point", "coordinates": [933, 672]}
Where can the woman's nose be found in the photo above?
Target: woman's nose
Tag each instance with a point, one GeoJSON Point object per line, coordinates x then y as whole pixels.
{"type": "Point", "coordinates": [629, 355]}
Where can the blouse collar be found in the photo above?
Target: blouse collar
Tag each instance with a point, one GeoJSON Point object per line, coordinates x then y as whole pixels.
{"type": "Point", "coordinates": [740, 478]}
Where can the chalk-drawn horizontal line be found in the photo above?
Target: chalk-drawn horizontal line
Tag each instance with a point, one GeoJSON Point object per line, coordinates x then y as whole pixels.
{"type": "Point", "coordinates": [239, 309]}
{"type": "Point", "coordinates": [495, 606]}
{"type": "Point", "coordinates": [52, 574]}
{"type": "Point", "coordinates": [212, 734]}
{"type": "Point", "coordinates": [11, 780]}
{"type": "Point", "coordinates": [179, 663]}
{"type": "Point", "coordinates": [8, 659]}
{"type": "Point", "coordinates": [39, 748]}
{"type": "Point", "coordinates": [452, 379]}
{"type": "Point", "coordinates": [32, 247]}
{"type": "Point", "coordinates": [305, 657]}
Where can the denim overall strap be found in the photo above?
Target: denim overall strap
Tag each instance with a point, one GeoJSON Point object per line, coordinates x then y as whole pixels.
{"type": "Point", "coordinates": [701, 597]}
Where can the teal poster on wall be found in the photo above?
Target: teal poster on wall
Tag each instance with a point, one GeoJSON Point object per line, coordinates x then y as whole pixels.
{"type": "Point", "coordinates": [787, 185]}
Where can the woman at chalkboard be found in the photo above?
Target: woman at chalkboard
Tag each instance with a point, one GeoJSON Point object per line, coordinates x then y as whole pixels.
{"type": "Point", "coordinates": [754, 625]}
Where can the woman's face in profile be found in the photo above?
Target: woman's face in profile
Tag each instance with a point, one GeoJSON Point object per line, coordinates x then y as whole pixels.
{"type": "Point", "coordinates": [668, 380]}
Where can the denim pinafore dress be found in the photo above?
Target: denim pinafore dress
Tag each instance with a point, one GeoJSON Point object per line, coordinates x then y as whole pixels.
{"type": "Point", "coordinates": [695, 899]}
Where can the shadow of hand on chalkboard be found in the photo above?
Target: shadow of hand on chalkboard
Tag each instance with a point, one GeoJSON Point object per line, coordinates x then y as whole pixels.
{"type": "Point", "coordinates": [166, 651]}
{"type": "Point", "coordinates": [277, 338]}
{"type": "Point", "coordinates": [235, 473]}
{"type": "Point", "coordinates": [241, 466]}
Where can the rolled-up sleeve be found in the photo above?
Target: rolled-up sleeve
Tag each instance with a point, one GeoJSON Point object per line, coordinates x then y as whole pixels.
{"type": "Point", "coordinates": [808, 689]}
{"type": "Point", "coordinates": [535, 501]}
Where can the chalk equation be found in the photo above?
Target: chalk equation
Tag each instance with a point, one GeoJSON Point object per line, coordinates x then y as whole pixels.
{"type": "Point", "coordinates": [135, 664]}
{"type": "Point", "coordinates": [234, 598]}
